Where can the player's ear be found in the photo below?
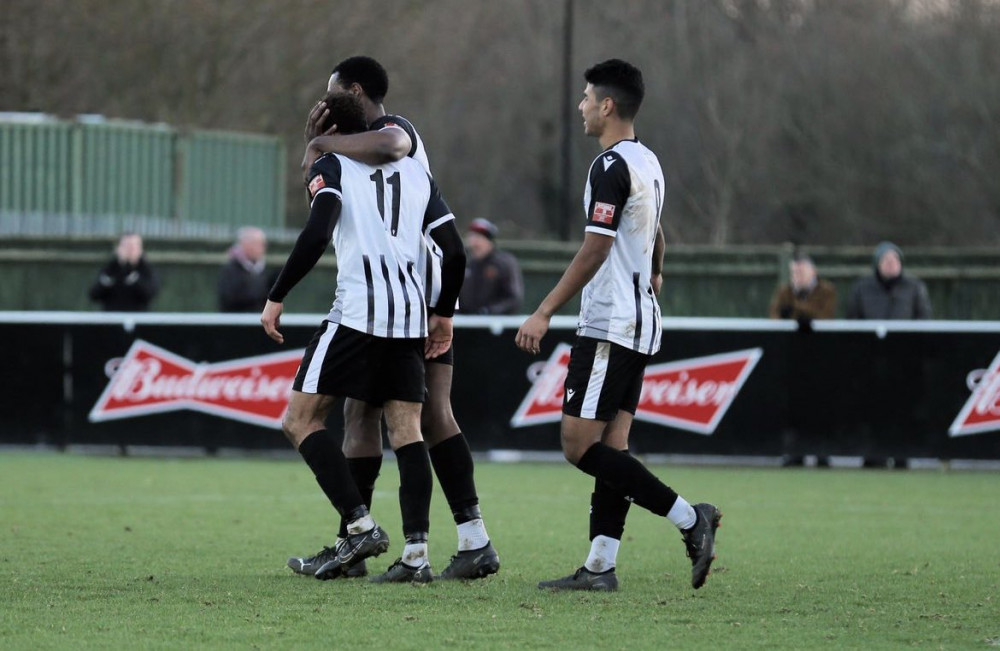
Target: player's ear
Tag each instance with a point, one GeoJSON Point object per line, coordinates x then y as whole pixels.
{"type": "Point", "coordinates": [356, 89]}
{"type": "Point", "coordinates": [607, 106]}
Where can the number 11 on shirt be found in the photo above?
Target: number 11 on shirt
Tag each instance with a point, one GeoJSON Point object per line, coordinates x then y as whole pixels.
{"type": "Point", "coordinates": [379, 180]}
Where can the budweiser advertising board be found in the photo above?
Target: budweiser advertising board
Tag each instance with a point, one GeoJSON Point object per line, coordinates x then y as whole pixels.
{"type": "Point", "coordinates": [690, 394]}
{"type": "Point", "coordinates": [151, 380]}
{"type": "Point", "coordinates": [981, 412]}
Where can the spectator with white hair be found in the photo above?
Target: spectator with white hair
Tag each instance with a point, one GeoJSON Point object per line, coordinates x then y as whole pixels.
{"type": "Point", "coordinates": [243, 283]}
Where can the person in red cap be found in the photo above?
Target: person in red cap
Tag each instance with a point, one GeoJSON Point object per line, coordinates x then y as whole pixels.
{"type": "Point", "coordinates": [493, 283]}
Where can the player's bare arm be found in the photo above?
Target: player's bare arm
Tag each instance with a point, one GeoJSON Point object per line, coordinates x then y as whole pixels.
{"type": "Point", "coordinates": [592, 254]}
{"type": "Point", "coordinates": [656, 279]}
{"type": "Point", "coordinates": [371, 147]}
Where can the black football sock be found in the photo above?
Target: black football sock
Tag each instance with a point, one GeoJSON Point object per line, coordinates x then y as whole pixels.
{"type": "Point", "coordinates": [452, 461]}
{"type": "Point", "coordinates": [415, 486]}
{"type": "Point", "coordinates": [322, 453]}
{"type": "Point", "coordinates": [365, 471]}
{"type": "Point", "coordinates": [608, 509]}
{"type": "Point", "coordinates": [627, 475]}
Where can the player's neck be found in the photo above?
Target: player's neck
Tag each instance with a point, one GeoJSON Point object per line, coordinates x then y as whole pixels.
{"type": "Point", "coordinates": [616, 132]}
{"type": "Point", "coordinates": [373, 111]}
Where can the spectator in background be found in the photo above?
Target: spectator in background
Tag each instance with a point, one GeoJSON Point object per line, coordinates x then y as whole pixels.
{"type": "Point", "coordinates": [889, 293]}
{"type": "Point", "coordinates": [127, 282]}
{"type": "Point", "coordinates": [243, 285]}
{"type": "Point", "coordinates": [493, 283]}
{"type": "Point", "coordinates": [805, 297]}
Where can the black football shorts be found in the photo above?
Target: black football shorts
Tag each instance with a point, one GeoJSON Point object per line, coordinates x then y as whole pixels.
{"type": "Point", "coordinates": [602, 378]}
{"type": "Point", "coordinates": [346, 363]}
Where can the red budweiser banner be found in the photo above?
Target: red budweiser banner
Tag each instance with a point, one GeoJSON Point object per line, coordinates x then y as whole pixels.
{"type": "Point", "coordinates": [690, 394]}
{"type": "Point", "coordinates": [151, 380]}
{"type": "Point", "coordinates": [981, 412]}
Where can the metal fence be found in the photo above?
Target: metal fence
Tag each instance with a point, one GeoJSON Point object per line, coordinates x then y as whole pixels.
{"type": "Point", "coordinates": [91, 175]}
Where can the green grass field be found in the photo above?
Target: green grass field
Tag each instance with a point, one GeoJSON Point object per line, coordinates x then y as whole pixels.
{"type": "Point", "coordinates": [149, 553]}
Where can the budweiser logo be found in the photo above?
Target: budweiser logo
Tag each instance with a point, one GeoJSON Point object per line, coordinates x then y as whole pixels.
{"type": "Point", "coordinates": [981, 412]}
{"type": "Point", "coordinates": [151, 380]}
{"type": "Point", "coordinates": [691, 394]}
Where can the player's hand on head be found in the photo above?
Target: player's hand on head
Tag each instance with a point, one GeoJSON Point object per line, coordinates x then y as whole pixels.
{"type": "Point", "coordinates": [314, 123]}
{"type": "Point", "coordinates": [270, 318]}
{"type": "Point", "coordinates": [529, 335]}
{"type": "Point", "coordinates": [440, 333]}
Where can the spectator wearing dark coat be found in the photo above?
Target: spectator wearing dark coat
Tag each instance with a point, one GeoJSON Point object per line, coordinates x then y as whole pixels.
{"type": "Point", "coordinates": [493, 283]}
{"type": "Point", "coordinates": [889, 293]}
{"type": "Point", "coordinates": [243, 284]}
{"type": "Point", "coordinates": [127, 282]}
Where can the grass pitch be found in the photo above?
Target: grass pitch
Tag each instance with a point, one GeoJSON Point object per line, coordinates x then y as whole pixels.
{"type": "Point", "coordinates": [144, 553]}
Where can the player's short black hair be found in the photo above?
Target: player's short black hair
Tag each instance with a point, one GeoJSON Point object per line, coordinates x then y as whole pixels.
{"type": "Point", "coordinates": [346, 111]}
{"type": "Point", "coordinates": [367, 73]}
{"type": "Point", "coordinates": [622, 82]}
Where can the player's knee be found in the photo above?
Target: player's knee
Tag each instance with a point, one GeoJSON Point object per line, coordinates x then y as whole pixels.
{"type": "Point", "coordinates": [438, 425]}
{"type": "Point", "coordinates": [288, 429]}
{"type": "Point", "coordinates": [296, 428]}
{"type": "Point", "coordinates": [571, 449]}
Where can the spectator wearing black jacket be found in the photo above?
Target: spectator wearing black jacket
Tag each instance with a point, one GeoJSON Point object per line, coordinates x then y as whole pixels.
{"type": "Point", "coordinates": [889, 293]}
{"type": "Point", "coordinates": [127, 282]}
{"type": "Point", "coordinates": [243, 283]}
{"type": "Point", "coordinates": [493, 283]}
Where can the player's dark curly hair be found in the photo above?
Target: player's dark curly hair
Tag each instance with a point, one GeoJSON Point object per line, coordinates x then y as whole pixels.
{"type": "Point", "coordinates": [622, 82]}
{"type": "Point", "coordinates": [367, 73]}
{"type": "Point", "coordinates": [347, 112]}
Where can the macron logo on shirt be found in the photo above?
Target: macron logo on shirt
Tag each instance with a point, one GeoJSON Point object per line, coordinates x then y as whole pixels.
{"type": "Point", "coordinates": [608, 162]}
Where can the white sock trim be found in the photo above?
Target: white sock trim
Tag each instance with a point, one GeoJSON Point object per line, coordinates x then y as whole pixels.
{"type": "Point", "coordinates": [414, 554]}
{"type": "Point", "coordinates": [472, 535]}
{"type": "Point", "coordinates": [603, 554]}
{"type": "Point", "coordinates": [682, 514]}
{"type": "Point", "coordinates": [361, 525]}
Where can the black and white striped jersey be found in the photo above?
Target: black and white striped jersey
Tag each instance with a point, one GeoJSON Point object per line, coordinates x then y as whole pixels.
{"type": "Point", "coordinates": [430, 263]}
{"type": "Point", "coordinates": [622, 199]}
{"type": "Point", "coordinates": [417, 150]}
{"type": "Point", "coordinates": [386, 211]}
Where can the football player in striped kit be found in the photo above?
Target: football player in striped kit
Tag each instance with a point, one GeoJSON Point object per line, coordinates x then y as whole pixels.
{"type": "Point", "coordinates": [372, 344]}
{"type": "Point", "coordinates": [390, 138]}
{"type": "Point", "coordinates": [618, 271]}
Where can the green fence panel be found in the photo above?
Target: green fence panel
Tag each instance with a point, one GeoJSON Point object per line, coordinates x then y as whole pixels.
{"type": "Point", "coordinates": [35, 170]}
{"type": "Point", "coordinates": [125, 169]}
{"type": "Point", "coordinates": [75, 177]}
{"type": "Point", "coordinates": [234, 179]}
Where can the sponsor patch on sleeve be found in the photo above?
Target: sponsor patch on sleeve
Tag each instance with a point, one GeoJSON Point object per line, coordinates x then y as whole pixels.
{"type": "Point", "coordinates": [604, 213]}
{"type": "Point", "coordinates": [316, 185]}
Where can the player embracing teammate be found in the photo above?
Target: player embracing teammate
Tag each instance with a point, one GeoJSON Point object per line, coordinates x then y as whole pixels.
{"type": "Point", "coordinates": [393, 280]}
{"type": "Point", "coordinates": [389, 140]}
